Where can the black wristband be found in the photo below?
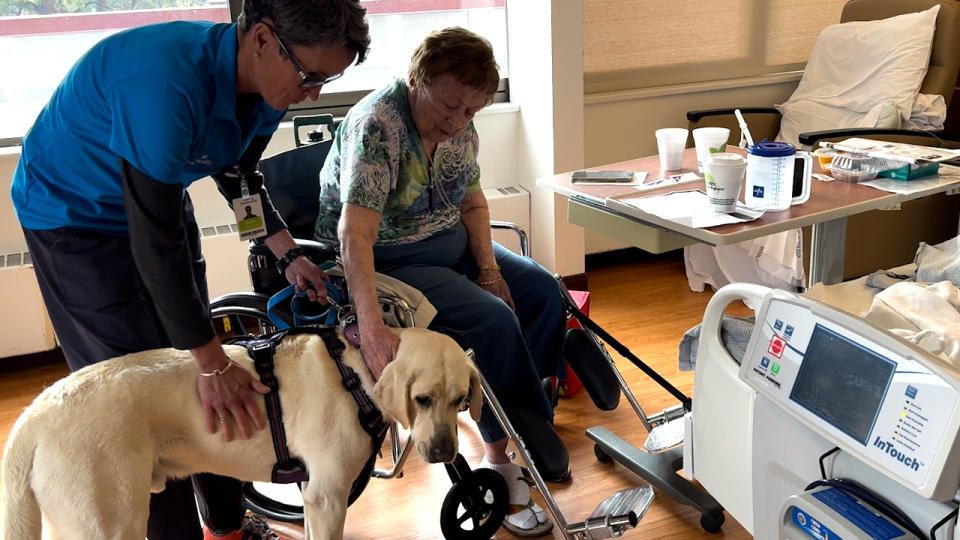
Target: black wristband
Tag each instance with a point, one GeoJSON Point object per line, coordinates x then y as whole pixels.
{"type": "Point", "coordinates": [288, 257]}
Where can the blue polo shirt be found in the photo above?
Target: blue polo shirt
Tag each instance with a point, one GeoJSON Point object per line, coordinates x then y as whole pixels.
{"type": "Point", "coordinates": [162, 97]}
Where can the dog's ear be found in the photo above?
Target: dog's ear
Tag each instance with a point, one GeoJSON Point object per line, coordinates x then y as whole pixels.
{"type": "Point", "coordinates": [476, 397]}
{"type": "Point", "coordinates": [392, 394]}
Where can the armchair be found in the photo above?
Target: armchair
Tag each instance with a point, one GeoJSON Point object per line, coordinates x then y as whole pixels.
{"type": "Point", "coordinates": [940, 78]}
{"type": "Point", "coordinates": [933, 219]}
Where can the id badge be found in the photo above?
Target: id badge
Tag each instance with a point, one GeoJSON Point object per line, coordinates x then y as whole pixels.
{"type": "Point", "coordinates": [249, 213]}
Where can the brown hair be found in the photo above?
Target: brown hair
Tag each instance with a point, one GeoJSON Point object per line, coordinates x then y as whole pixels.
{"type": "Point", "coordinates": [459, 52]}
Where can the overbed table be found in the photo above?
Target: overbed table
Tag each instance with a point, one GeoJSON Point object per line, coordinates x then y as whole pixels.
{"type": "Point", "coordinates": [826, 211]}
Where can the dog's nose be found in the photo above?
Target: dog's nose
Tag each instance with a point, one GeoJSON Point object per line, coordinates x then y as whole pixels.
{"type": "Point", "coordinates": [442, 451]}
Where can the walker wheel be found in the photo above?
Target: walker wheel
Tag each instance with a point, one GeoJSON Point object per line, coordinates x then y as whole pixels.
{"type": "Point", "coordinates": [712, 522]}
{"type": "Point", "coordinates": [475, 506]}
{"type": "Point", "coordinates": [602, 456]}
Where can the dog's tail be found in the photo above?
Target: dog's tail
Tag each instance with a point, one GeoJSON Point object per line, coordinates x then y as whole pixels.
{"type": "Point", "coordinates": [20, 517]}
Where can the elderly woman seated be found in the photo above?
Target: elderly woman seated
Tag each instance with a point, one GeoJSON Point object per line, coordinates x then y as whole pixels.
{"type": "Point", "coordinates": [401, 195]}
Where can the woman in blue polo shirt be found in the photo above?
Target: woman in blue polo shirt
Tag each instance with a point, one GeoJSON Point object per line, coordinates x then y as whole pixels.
{"type": "Point", "coordinates": [100, 191]}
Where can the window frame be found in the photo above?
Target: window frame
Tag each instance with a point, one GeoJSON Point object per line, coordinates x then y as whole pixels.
{"type": "Point", "coordinates": [338, 103]}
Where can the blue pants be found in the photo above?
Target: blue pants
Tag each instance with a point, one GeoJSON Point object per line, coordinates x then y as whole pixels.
{"type": "Point", "coordinates": [514, 351]}
{"type": "Point", "coordinates": [100, 309]}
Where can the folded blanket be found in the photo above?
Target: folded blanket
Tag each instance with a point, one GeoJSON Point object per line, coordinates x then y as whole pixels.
{"type": "Point", "coordinates": [734, 333]}
{"type": "Point", "coordinates": [938, 263]}
{"type": "Point", "coordinates": [925, 315]}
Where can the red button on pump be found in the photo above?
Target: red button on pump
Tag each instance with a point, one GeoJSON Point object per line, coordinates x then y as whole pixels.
{"type": "Point", "coordinates": [776, 347]}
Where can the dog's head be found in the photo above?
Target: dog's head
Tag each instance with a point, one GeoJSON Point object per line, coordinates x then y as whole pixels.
{"type": "Point", "coordinates": [425, 387]}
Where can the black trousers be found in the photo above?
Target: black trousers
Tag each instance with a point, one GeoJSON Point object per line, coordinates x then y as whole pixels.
{"type": "Point", "coordinates": [100, 309]}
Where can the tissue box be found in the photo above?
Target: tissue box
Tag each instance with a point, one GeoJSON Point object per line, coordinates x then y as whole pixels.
{"type": "Point", "coordinates": [911, 172]}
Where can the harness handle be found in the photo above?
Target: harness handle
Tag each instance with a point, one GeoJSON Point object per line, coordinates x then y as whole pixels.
{"type": "Point", "coordinates": [299, 319]}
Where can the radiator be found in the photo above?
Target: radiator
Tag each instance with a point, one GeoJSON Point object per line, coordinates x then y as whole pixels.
{"type": "Point", "coordinates": [26, 327]}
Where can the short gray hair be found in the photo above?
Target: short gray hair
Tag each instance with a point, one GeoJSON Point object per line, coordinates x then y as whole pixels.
{"type": "Point", "coordinates": [310, 22]}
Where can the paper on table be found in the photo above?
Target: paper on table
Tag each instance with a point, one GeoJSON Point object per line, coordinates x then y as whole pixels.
{"type": "Point", "coordinates": [947, 175]}
{"type": "Point", "coordinates": [690, 208]}
{"type": "Point", "coordinates": [910, 153]}
{"type": "Point", "coordinates": [671, 180]}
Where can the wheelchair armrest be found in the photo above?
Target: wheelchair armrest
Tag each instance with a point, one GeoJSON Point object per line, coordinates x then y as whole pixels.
{"type": "Point", "coordinates": [764, 122]}
{"type": "Point", "coordinates": [696, 116]}
{"type": "Point", "coordinates": [315, 250]}
{"type": "Point", "coordinates": [912, 136]}
{"type": "Point", "coordinates": [262, 264]}
{"type": "Point", "coordinates": [506, 225]}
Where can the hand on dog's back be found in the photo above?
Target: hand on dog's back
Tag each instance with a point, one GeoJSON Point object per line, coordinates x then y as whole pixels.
{"type": "Point", "coordinates": [227, 399]}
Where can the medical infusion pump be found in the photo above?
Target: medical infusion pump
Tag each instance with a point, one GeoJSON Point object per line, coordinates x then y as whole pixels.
{"type": "Point", "coordinates": [884, 401]}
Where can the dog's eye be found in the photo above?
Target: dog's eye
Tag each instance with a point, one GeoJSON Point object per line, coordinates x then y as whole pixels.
{"type": "Point", "coordinates": [423, 401]}
{"type": "Point", "coordinates": [461, 403]}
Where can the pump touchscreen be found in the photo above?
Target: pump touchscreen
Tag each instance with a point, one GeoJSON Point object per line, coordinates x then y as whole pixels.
{"type": "Point", "coordinates": [842, 382]}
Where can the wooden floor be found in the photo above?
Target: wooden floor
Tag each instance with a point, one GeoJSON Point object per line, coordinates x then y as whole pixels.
{"type": "Point", "coordinates": [646, 305]}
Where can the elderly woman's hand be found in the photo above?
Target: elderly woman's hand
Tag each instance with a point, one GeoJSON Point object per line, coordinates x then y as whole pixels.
{"type": "Point", "coordinates": [492, 282]}
{"type": "Point", "coordinates": [378, 344]}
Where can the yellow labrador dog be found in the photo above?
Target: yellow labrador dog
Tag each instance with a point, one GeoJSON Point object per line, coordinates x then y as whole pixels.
{"type": "Point", "coordinates": [90, 449]}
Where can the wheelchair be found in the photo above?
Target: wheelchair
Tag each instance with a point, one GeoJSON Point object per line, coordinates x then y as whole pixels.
{"type": "Point", "coordinates": [476, 503]}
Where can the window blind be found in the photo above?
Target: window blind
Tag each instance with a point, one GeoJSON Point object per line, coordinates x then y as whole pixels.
{"type": "Point", "coordinates": [643, 43]}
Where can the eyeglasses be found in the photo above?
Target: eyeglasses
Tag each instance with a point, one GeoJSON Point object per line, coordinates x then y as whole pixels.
{"type": "Point", "coordinates": [306, 80]}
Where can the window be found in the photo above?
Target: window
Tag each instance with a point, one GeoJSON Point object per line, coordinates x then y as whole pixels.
{"type": "Point", "coordinates": [396, 28]}
{"type": "Point", "coordinates": [643, 43]}
{"type": "Point", "coordinates": [39, 41]}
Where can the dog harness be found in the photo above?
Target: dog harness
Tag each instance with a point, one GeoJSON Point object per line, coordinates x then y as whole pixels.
{"type": "Point", "coordinates": [290, 469]}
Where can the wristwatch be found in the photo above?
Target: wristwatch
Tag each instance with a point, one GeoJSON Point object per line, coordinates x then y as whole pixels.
{"type": "Point", "coordinates": [288, 257]}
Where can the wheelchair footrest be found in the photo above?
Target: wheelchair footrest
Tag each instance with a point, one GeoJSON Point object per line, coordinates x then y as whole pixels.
{"type": "Point", "coordinates": [617, 513]}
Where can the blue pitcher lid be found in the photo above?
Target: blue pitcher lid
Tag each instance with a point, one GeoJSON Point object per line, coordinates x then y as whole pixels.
{"type": "Point", "coordinates": [767, 148]}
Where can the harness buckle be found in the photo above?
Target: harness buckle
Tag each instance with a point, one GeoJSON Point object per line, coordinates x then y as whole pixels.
{"type": "Point", "coordinates": [289, 471]}
{"type": "Point", "coordinates": [351, 381]}
{"type": "Point", "coordinates": [262, 353]}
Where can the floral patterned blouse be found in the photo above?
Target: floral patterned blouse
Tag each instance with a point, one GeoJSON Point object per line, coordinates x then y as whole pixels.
{"type": "Point", "coordinates": [377, 162]}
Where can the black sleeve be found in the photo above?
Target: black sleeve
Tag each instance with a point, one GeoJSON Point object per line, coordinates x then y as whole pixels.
{"type": "Point", "coordinates": [228, 182]}
{"type": "Point", "coordinates": [159, 244]}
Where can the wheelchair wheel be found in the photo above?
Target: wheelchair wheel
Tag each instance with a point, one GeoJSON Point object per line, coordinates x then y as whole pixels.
{"type": "Point", "coordinates": [240, 315]}
{"type": "Point", "coordinates": [267, 505]}
{"type": "Point", "coordinates": [475, 506]}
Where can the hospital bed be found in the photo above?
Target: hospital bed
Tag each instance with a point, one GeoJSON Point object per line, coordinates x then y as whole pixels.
{"type": "Point", "coordinates": [826, 426]}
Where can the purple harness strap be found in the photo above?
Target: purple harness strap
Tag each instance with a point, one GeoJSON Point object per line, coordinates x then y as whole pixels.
{"type": "Point", "coordinates": [369, 415]}
{"type": "Point", "coordinates": [289, 469]}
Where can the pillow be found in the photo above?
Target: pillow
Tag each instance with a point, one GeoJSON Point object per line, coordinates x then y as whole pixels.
{"type": "Point", "coordinates": [858, 69]}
